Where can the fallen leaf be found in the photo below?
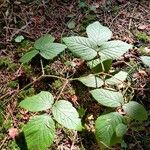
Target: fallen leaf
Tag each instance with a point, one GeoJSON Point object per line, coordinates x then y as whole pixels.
{"type": "Point", "coordinates": [74, 98]}
{"type": "Point", "coordinates": [142, 27]}
{"type": "Point", "coordinates": [13, 132]}
{"type": "Point", "coordinates": [142, 73]}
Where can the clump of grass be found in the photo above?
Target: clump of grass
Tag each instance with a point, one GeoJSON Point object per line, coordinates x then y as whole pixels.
{"type": "Point", "coordinates": [143, 37]}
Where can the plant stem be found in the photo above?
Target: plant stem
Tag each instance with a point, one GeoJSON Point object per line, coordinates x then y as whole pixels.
{"type": "Point", "coordinates": [43, 72]}
{"type": "Point", "coordinates": [39, 78]}
{"type": "Point", "coordinates": [65, 84]}
{"type": "Point", "coordinates": [53, 76]}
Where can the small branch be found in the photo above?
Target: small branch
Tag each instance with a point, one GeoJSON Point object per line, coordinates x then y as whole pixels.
{"type": "Point", "coordinates": [19, 30]}
{"type": "Point", "coordinates": [39, 78]}
{"type": "Point", "coordinates": [65, 84]}
{"type": "Point", "coordinates": [130, 21]}
{"type": "Point", "coordinates": [72, 146]}
{"type": "Point", "coordinates": [43, 72]}
{"type": "Point", "coordinates": [3, 142]}
{"type": "Point", "coordinates": [53, 76]}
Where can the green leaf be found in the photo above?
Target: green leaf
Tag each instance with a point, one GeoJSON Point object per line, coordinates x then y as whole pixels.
{"type": "Point", "coordinates": [105, 126]}
{"type": "Point", "coordinates": [121, 130]}
{"type": "Point", "coordinates": [113, 49]}
{"type": "Point", "coordinates": [117, 78]}
{"type": "Point", "coordinates": [81, 47]}
{"type": "Point", "coordinates": [91, 81]}
{"type": "Point", "coordinates": [98, 33]}
{"type": "Point", "coordinates": [108, 98]}
{"type": "Point", "coordinates": [146, 60]}
{"type": "Point", "coordinates": [51, 50]}
{"type": "Point", "coordinates": [39, 102]}
{"type": "Point", "coordinates": [135, 111]}
{"type": "Point", "coordinates": [39, 132]}
{"type": "Point", "coordinates": [98, 65]}
{"type": "Point", "coordinates": [71, 25]}
{"type": "Point", "coordinates": [28, 56]}
{"type": "Point", "coordinates": [19, 38]}
{"type": "Point", "coordinates": [65, 114]}
{"type": "Point", "coordinates": [43, 41]}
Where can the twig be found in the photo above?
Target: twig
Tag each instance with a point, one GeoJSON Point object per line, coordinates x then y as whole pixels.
{"type": "Point", "coordinates": [72, 145]}
{"type": "Point", "coordinates": [65, 84]}
{"type": "Point", "coordinates": [148, 8]}
{"type": "Point", "coordinates": [118, 15]}
{"type": "Point", "coordinates": [5, 95]}
{"type": "Point", "coordinates": [130, 21]}
{"type": "Point", "coordinates": [39, 78]}
{"type": "Point", "coordinates": [3, 142]}
{"type": "Point", "coordinates": [16, 32]}
{"type": "Point", "coordinates": [53, 76]}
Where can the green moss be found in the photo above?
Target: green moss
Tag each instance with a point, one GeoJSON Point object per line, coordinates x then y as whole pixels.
{"type": "Point", "coordinates": [24, 47]}
{"type": "Point", "coordinates": [26, 93]}
{"type": "Point", "coordinates": [13, 84]}
{"type": "Point", "coordinates": [6, 125]}
{"type": "Point", "coordinates": [143, 37]}
{"type": "Point", "coordinates": [12, 145]}
{"type": "Point", "coordinates": [71, 91]}
{"type": "Point", "coordinates": [27, 69]}
{"type": "Point", "coordinates": [115, 9]}
{"type": "Point", "coordinates": [57, 84]}
{"type": "Point", "coordinates": [6, 63]}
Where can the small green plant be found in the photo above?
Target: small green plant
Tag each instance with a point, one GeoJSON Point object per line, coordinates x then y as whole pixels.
{"type": "Point", "coordinates": [40, 130]}
{"type": "Point", "coordinates": [45, 47]}
{"type": "Point", "coordinates": [143, 37]}
{"type": "Point", "coordinates": [98, 52]}
{"type": "Point", "coordinates": [110, 128]}
{"type": "Point", "coordinates": [96, 46]}
{"type": "Point", "coordinates": [146, 60]}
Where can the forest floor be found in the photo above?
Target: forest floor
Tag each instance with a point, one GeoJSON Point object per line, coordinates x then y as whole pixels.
{"type": "Point", "coordinates": [128, 20]}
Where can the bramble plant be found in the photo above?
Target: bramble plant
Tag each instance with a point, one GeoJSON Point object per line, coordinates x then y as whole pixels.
{"type": "Point", "coordinates": [40, 130]}
{"type": "Point", "coordinates": [98, 52]}
{"type": "Point", "coordinates": [44, 46]}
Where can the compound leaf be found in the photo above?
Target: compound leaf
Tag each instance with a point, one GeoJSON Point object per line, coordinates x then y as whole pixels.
{"type": "Point", "coordinates": [121, 129]}
{"type": "Point", "coordinates": [39, 132]}
{"type": "Point", "coordinates": [28, 56]}
{"type": "Point", "coordinates": [105, 126]}
{"type": "Point", "coordinates": [108, 98]}
{"type": "Point", "coordinates": [146, 60]}
{"type": "Point", "coordinates": [91, 81]}
{"type": "Point", "coordinates": [135, 111]}
{"type": "Point", "coordinates": [117, 78]}
{"type": "Point", "coordinates": [81, 47]}
{"type": "Point", "coordinates": [39, 102]}
{"type": "Point", "coordinates": [98, 33]}
{"type": "Point", "coordinates": [51, 50]}
{"type": "Point", "coordinates": [65, 114]}
{"type": "Point", "coordinates": [44, 40]}
{"type": "Point", "coordinates": [113, 49]}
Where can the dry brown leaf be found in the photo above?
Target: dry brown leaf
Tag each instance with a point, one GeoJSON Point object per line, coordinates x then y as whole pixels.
{"type": "Point", "coordinates": [142, 73]}
{"type": "Point", "coordinates": [74, 98]}
{"type": "Point", "coordinates": [13, 132]}
{"type": "Point", "coordinates": [142, 27]}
